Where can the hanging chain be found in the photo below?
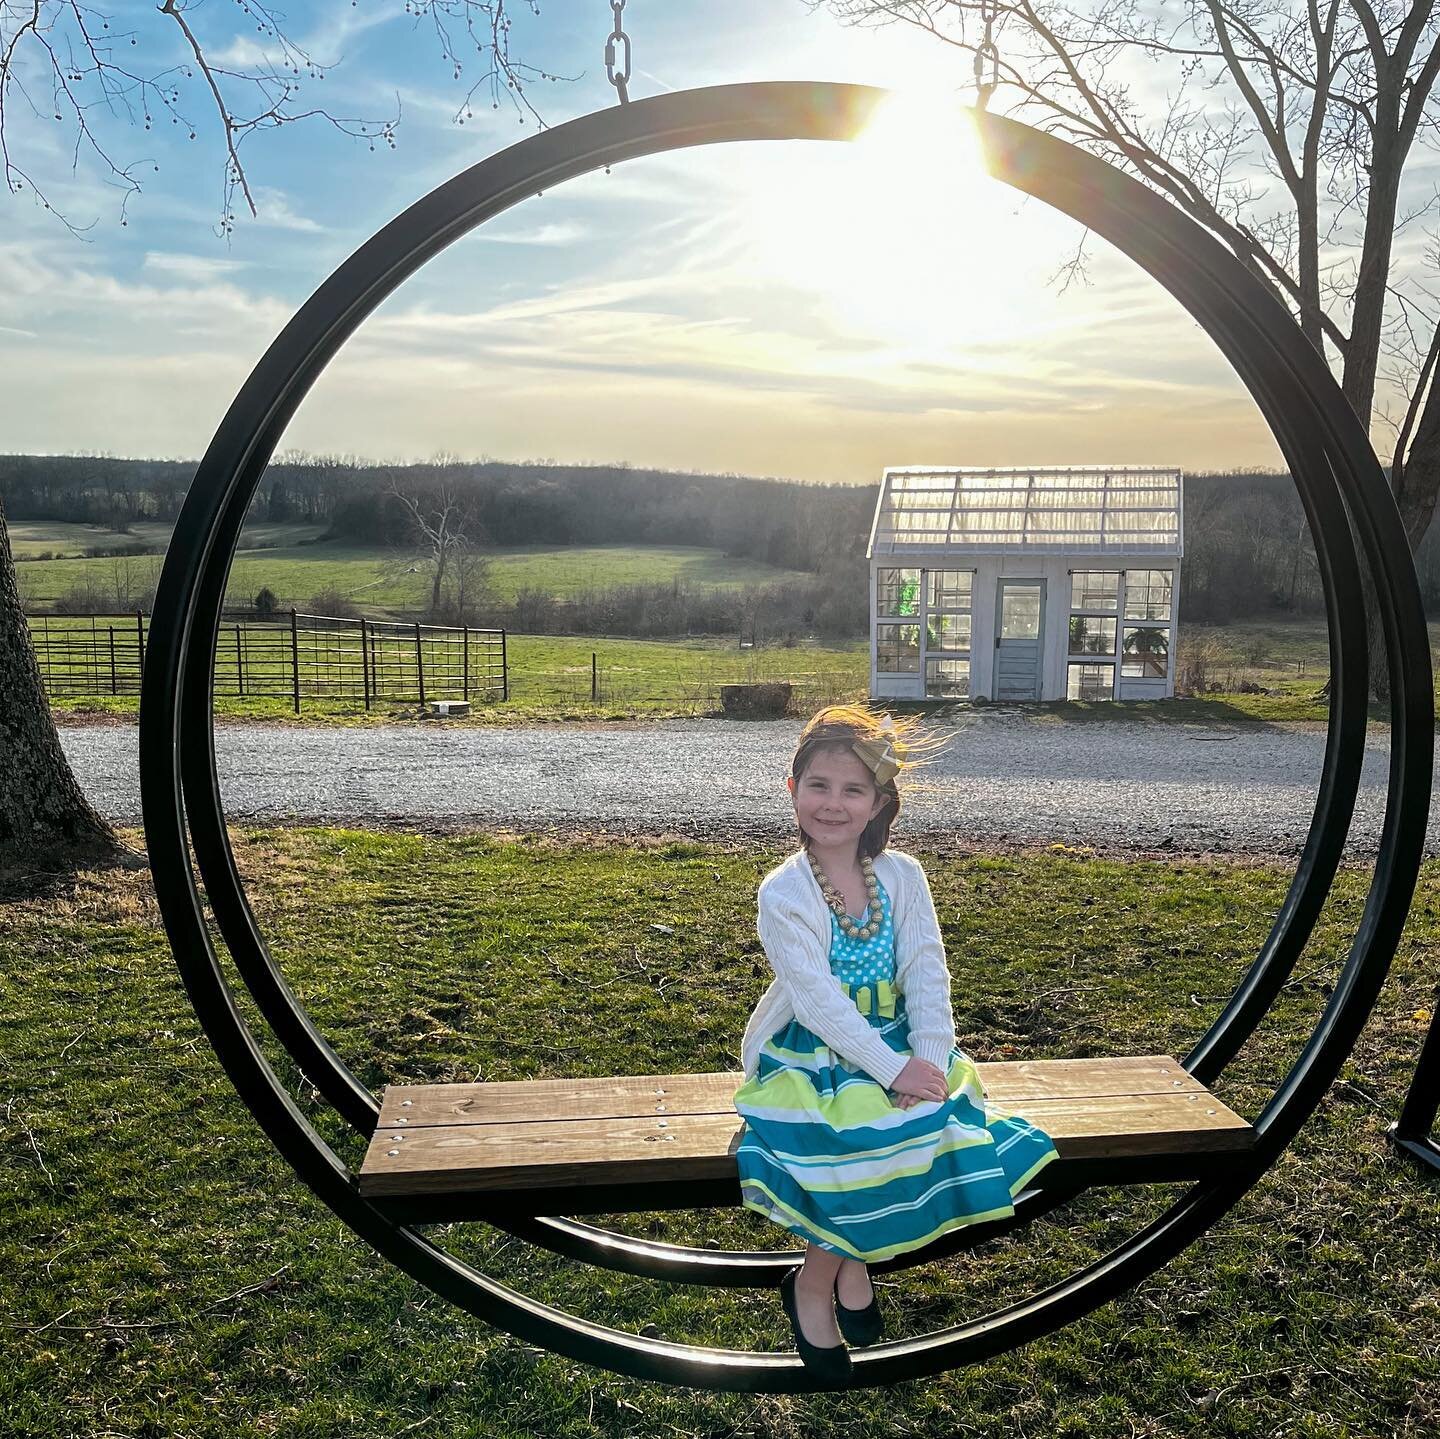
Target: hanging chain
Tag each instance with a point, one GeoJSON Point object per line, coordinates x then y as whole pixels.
{"type": "Point", "coordinates": [987, 55]}
{"type": "Point", "coordinates": [620, 78]}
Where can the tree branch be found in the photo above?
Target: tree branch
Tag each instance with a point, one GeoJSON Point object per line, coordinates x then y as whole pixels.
{"type": "Point", "coordinates": [74, 49]}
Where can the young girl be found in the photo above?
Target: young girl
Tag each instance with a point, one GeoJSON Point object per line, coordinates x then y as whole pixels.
{"type": "Point", "coordinates": [866, 1131]}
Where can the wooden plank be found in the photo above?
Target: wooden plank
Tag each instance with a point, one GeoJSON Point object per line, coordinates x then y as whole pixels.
{"type": "Point", "coordinates": [434, 1159]}
{"type": "Point", "coordinates": [630, 1096]}
{"type": "Point", "coordinates": [563, 1100]}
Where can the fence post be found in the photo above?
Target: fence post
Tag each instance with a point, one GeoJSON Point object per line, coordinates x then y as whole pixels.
{"type": "Point", "coordinates": [111, 629]}
{"type": "Point", "coordinates": [504, 670]}
{"type": "Point", "coordinates": [239, 664]}
{"type": "Point", "coordinates": [140, 637]}
{"type": "Point", "coordinates": [465, 682]}
{"type": "Point", "coordinates": [365, 660]}
{"type": "Point", "coordinates": [419, 662]}
{"type": "Point", "coordinates": [295, 661]}
{"type": "Point", "coordinates": [594, 679]}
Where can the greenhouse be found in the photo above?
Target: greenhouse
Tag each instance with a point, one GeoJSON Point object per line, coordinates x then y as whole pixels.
{"type": "Point", "coordinates": [1025, 584]}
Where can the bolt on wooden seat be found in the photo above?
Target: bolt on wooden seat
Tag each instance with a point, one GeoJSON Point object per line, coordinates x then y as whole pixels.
{"type": "Point", "coordinates": [646, 1142]}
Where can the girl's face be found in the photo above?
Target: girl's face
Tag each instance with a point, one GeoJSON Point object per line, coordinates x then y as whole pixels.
{"type": "Point", "coordinates": [835, 798]}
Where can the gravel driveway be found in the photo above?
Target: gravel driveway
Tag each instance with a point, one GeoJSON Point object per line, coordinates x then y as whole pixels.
{"type": "Point", "coordinates": [1007, 776]}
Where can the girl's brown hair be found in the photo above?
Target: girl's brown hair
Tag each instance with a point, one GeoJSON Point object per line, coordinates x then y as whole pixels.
{"type": "Point", "coordinates": [837, 727]}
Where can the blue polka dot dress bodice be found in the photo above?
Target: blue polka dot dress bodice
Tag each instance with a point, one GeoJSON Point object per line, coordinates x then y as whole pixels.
{"type": "Point", "coordinates": [864, 961]}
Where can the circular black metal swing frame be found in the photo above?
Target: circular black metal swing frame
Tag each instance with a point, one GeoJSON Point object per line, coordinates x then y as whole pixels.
{"type": "Point", "coordinates": [1350, 511]}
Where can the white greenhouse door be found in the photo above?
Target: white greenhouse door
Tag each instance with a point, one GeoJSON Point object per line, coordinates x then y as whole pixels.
{"type": "Point", "coordinates": [1020, 609]}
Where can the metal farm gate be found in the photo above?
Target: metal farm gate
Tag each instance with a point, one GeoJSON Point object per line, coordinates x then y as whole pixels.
{"type": "Point", "coordinates": [299, 657]}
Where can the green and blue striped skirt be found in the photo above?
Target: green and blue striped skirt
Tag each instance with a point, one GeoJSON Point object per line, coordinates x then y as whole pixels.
{"type": "Point", "coordinates": [827, 1154]}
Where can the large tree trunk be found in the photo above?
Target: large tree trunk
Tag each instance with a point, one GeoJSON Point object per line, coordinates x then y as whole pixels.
{"type": "Point", "coordinates": [45, 820]}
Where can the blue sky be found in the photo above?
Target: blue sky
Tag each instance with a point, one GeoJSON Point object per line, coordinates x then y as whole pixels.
{"type": "Point", "coordinates": [717, 310]}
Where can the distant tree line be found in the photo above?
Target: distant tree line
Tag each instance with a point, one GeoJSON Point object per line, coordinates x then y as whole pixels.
{"type": "Point", "coordinates": [778, 522]}
{"type": "Point", "coordinates": [1247, 547]}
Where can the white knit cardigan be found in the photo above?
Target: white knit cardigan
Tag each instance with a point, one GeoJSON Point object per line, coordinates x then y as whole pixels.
{"type": "Point", "coordinates": [794, 926]}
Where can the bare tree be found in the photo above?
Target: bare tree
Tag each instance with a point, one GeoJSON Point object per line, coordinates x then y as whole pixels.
{"type": "Point", "coordinates": [105, 79]}
{"type": "Point", "coordinates": [1294, 130]}
{"type": "Point", "coordinates": [445, 530]}
{"type": "Point", "coordinates": [469, 583]}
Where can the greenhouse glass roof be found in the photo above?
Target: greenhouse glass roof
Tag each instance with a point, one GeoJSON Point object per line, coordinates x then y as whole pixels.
{"type": "Point", "coordinates": [1091, 510]}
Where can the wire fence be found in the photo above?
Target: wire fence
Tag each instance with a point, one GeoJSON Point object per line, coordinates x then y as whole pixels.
{"type": "Point", "coordinates": [297, 657]}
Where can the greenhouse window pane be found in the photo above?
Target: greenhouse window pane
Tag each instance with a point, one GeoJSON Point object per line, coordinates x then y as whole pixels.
{"type": "Point", "coordinates": [907, 500]}
{"type": "Point", "coordinates": [897, 591]}
{"type": "Point", "coordinates": [923, 481]}
{"type": "Point", "coordinates": [897, 649]}
{"type": "Point", "coordinates": [1095, 590]}
{"type": "Point", "coordinates": [1091, 682]}
{"type": "Point", "coordinates": [1146, 653]}
{"type": "Point", "coordinates": [1090, 636]}
{"type": "Point", "coordinates": [1148, 594]}
{"type": "Point", "coordinates": [948, 679]}
{"type": "Point", "coordinates": [1064, 522]}
{"type": "Point", "coordinates": [948, 632]}
{"type": "Point", "coordinates": [988, 529]}
{"type": "Point", "coordinates": [1020, 612]}
{"type": "Point", "coordinates": [1152, 497]}
{"type": "Point", "coordinates": [950, 589]}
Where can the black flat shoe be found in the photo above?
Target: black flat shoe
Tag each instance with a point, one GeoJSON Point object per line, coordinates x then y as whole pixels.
{"type": "Point", "coordinates": [830, 1362]}
{"type": "Point", "coordinates": [859, 1326]}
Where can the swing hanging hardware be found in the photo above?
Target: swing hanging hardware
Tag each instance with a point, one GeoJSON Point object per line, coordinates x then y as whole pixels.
{"type": "Point", "coordinates": [620, 78]}
{"type": "Point", "coordinates": [987, 55]}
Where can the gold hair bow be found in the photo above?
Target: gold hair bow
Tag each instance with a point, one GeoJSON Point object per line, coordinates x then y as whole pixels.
{"type": "Point", "coordinates": [879, 757]}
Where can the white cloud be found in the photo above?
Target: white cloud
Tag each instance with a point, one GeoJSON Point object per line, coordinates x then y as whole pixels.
{"type": "Point", "coordinates": [275, 212]}
{"type": "Point", "coordinates": [191, 267]}
{"type": "Point", "coordinates": [243, 53]}
{"type": "Point", "coordinates": [566, 233]}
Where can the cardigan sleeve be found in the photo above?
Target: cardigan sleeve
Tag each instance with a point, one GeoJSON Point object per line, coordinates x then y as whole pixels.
{"type": "Point", "coordinates": [798, 959]}
{"type": "Point", "coordinates": [922, 973]}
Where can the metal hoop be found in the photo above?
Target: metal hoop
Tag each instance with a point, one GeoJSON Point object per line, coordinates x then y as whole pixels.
{"type": "Point", "coordinates": [1337, 476]}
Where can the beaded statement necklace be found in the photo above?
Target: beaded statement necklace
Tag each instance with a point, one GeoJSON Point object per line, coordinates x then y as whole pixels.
{"type": "Point", "coordinates": [836, 900]}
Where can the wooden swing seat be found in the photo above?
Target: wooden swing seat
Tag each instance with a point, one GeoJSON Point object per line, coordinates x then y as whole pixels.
{"type": "Point", "coordinates": [649, 1142]}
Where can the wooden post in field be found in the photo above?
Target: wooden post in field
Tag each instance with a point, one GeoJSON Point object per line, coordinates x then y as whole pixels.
{"type": "Point", "coordinates": [239, 664]}
{"type": "Point", "coordinates": [594, 679]}
{"type": "Point", "coordinates": [504, 670]}
{"type": "Point", "coordinates": [465, 661]}
{"type": "Point", "coordinates": [365, 659]}
{"type": "Point", "coordinates": [140, 638]}
{"type": "Point", "coordinates": [295, 661]}
{"type": "Point", "coordinates": [419, 662]}
{"type": "Point", "coordinates": [111, 629]}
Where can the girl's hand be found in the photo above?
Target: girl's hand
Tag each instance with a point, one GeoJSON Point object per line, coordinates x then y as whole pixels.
{"type": "Point", "coordinates": [919, 1080]}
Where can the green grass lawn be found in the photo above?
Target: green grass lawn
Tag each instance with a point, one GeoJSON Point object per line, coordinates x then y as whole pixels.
{"type": "Point", "coordinates": [550, 679]}
{"type": "Point", "coordinates": [164, 1273]}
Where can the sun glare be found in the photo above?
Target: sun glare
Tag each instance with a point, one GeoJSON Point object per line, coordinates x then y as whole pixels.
{"type": "Point", "coordinates": [900, 234]}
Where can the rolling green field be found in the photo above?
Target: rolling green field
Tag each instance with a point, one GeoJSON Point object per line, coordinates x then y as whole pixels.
{"type": "Point", "coordinates": [163, 1272]}
{"type": "Point", "coordinates": [29, 538]}
{"type": "Point", "coordinates": [380, 581]}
